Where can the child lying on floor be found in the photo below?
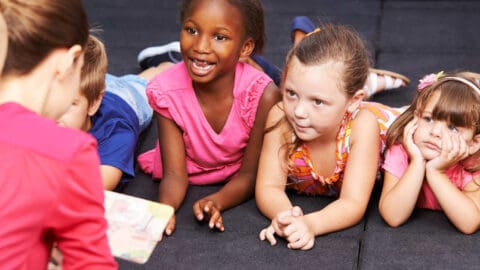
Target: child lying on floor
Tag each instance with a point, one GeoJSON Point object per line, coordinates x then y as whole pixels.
{"type": "Point", "coordinates": [114, 110]}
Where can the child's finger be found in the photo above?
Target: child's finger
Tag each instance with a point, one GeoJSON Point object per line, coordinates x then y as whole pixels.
{"type": "Point", "coordinates": [216, 220]}
{"type": "Point", "coordinates": [268, 234]}
{"type": "Point", "coordinates": [208, 206]}
{"type": "Point", "coordinates": [285, 221]}
{"type": "Point", "coordinates": [170, 228]}
{"type": "Point", "coordinates": [297, 211]}
{"type": "Point", "coordinates": [294, 237]}
{"type": "Point", "coordinates": [197, 210]}
{"type": "Point", "coordinates": [309, 245]}
{"type": "Point", "coordinates": [303, 243]}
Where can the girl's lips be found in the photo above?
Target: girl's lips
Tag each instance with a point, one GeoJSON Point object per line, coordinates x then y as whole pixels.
{"type": "Point", "coordinates": [200, 67]}
{"type": "Point", "coordinates": [432, 146]}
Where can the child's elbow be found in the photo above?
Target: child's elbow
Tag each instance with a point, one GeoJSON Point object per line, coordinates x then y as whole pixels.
{"type": "Point", "coordinates": [393, 221]}
{"type": "Point", "coordinates": [468, 228]}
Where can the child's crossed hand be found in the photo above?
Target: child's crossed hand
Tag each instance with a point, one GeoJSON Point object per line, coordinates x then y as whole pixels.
{"type": "Point", "coordinates": [208, 207]}
{"type": "Point", "coordinates": [290, 225]}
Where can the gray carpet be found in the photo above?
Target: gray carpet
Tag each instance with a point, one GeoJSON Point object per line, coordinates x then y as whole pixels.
{"type": "Point", "coordinates": [411, 37]}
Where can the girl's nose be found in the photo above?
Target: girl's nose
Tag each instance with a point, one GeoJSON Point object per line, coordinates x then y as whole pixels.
{"type": "Point", "coordinates": [203, 44]}
{"type": "Point", "coordinates": [437, 129]}
{"type": "Point", "coordinates": [300, 110]}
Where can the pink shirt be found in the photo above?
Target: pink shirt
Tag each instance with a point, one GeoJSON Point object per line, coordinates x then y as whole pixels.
{"type": "Point", "coordinates": [396, 163]}
{"type": "Point", "coordinates": [50, 191]}
{"type": "Point", "coordinates": [210, 157]}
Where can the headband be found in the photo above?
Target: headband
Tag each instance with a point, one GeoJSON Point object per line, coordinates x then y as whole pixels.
{"type": "Point", "coordinates": [462, 80]}
{"type": "Point", "coordinates": [432, 78]}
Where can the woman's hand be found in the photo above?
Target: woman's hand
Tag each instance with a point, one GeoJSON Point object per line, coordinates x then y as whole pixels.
{"type": "Point", "coordinates": [207, 207]}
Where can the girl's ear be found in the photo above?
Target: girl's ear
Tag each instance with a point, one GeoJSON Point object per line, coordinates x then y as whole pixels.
{"type": "Point", "coordinates": [95, 105]}
{"type": "Point", "coordinates": [68, 59]}
{"type": "Point", "coordinates": [356, 100]}
{"type": "Point", "coordinates": [247, 48]}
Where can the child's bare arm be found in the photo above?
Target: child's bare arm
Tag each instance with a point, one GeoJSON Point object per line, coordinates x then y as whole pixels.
{"type": "Point", "coordinates": [174, 183]}
{"type": "Point", "coordinates": [399, 196]}
{"type": "Point", "coordinates": [111, 176]}
{"type": "Point", "coordinates": [271, 182]}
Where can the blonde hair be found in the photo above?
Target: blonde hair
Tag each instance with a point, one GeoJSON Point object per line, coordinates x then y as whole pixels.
{"type": "Point", "coordinates": [35, 28]}
{"type": "Point", "coordinates": [458, 104]}
{"type": "Point", "coordinates": [92, 83]}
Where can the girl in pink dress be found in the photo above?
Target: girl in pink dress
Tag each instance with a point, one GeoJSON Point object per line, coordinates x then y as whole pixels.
{"type": "Point", "coordinates": [428, 146]}
{"type": "Point", "coordinates": [211, 109]}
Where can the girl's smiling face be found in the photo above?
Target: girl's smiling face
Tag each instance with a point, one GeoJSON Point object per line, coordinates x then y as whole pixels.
{"type": "Point", "coordinates": [212, 40]}
{"type": "Point", "coordinates": [313, 99]}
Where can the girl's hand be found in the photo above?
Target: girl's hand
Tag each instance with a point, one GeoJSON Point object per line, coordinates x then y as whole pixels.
{"type": "Point", "coordinates": [412, 149]}
{"type": "Point", "coordinates": [209, 208]}
{"type": "Point", "coordinates": [276, 227]}
{"type": "Point", "coordinates": [454, 149]}
{"type": "Point", "coordinates": [298, 233]}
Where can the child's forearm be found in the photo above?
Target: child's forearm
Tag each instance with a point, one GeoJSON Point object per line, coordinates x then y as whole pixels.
{"type": "Point", "coordinates": [398, 203]}
{"type": "Point", "coordinates": [460, 209]}
{"type": "Point", "coordinates": [239, 189]}
{"type": "Point", "coordinates": [172, 191]}
{"type": "Point", "coordinates": [338, 215]}
{"type": "Point", "coordinates": [271, 201]}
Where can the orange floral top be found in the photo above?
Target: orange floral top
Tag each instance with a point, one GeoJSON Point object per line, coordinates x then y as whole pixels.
{"type": "Point", "coordinates": [302, 176]}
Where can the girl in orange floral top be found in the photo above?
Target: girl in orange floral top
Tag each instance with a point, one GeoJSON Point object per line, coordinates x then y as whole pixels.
{"type": "Point", "coordinates": [322, 139]}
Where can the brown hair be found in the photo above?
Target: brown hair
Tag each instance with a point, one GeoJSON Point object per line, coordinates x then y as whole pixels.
{"type": "Point", "coordinates": [336, 43]}
{"type": "Point", "coordinates": [332, 43]}
{"type": "Point", "coordinates": [92, 83]}
{"type": "Point", "coordinates": [458, 104]}
{"type": "Point", "coordinates": [252, 16]}
{"type": "Point", "coordinates": [35, 28]}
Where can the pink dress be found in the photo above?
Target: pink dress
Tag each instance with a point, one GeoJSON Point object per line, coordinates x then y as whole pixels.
{"type": "Point", "coordinates": [50, 191]}
{"type": "Point", "coordinates": [396, 163]}
{"type": "Point", "coordinates": [210, 157]}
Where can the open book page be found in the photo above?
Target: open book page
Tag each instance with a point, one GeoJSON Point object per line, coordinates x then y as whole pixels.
{"type": "Point", "coordinates": [134, 225]}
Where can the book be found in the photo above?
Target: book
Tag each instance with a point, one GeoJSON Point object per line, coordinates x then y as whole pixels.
{"type": "Point", "coordinates": [135, 225]}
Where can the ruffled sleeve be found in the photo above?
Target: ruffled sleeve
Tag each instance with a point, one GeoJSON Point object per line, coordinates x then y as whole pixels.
{"type": "Point", "coordinates": [156, 97]}
{"type": "Point", "coordinates": [396, 160]}
{"type": "Point", "coordinates": [251, 98]}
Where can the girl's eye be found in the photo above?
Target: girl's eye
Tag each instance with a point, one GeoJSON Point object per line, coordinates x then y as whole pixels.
{"type": "Point", "coordinates": [452, 127]}
{"type": "Point", "coordinates": [191, 30]}
{"type": "Point", "coordinates": [318, 102]}
{"type": "Point", "coordinates": [427, 119]}
{"type": "Point", "coordinates": [220, 37]}
{"type": "Point", "coordinates": [290, 93]}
